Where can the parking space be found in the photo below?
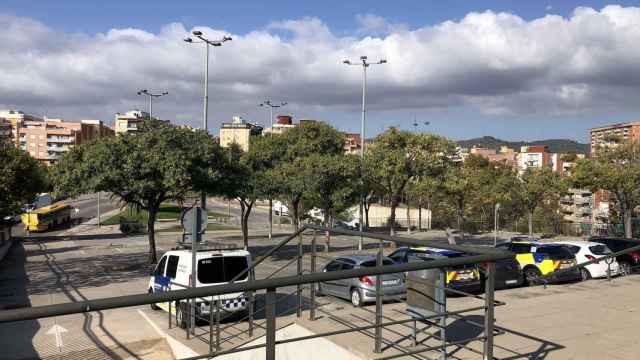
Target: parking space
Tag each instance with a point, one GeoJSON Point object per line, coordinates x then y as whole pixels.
{"type": "Point", "coordinates": [557, 322]}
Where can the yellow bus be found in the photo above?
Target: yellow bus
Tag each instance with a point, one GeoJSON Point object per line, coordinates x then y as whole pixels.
{"type": "Point", "coordinates": [47, 217]}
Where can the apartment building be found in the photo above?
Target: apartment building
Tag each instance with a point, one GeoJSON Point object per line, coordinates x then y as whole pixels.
{"type": "Point", "coordinates": [610, 135]}
{"type": "Point", "coordinates": [5, 130]}
{"type": "Point", "coordinates": [282, 124]}
{"type": "Point", "coordinates": [352, 143]}
{"type": "Point", "coordinates": [238, 131]}
{"type": "Point", "coordinates": [17, 119]}
{"type": "Point", "coordinates": [129, 122]}
{"type": "Point", "coordinates": [505, 155]}
{"type": "Point", "coordinates": [577, 206]}
{"type": "Point", "coordinates": [533, 156]}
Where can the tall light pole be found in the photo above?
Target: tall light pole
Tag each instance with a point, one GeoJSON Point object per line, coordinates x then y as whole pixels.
{"type": "Point", "coordinates": [151, 95]}
{"type": "Point", "coordinates": [271, 105]}
{"type": "Point", "coordinates": [365, 64]}
{"type": "Point", "coordinates": [207, 42]}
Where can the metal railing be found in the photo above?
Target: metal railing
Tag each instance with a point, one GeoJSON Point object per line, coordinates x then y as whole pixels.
{"type": "Point", "coordinates": [484, 255]}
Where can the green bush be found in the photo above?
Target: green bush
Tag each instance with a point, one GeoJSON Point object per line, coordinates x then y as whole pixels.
{"type": "Point", "coordinates": [131, 226]}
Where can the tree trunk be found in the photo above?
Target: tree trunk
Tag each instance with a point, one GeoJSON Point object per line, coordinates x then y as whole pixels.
{"type": "Point", "coordinates": [327, 224]}
{"type": "Point", "coordinates": [530, 214]}
{"type": "Point", "coordinates": [408, 217]}
{"type": "Point", "coordinates": [392, 217]}
{"type": "Point", "coordinates": [295, 218]}
{"type": "Point", "coordinates": [460, 217]}
{"type": "Point", "coordinates": [151, 234]}
{"type": "Point", "coordinates": [628, 230]}
{"type": "Point", "coordinates": [420, 215]}
{"type": "Point", "coordinates": [367, 205]}
{"type": "Point", "coordinates": [245, 211]}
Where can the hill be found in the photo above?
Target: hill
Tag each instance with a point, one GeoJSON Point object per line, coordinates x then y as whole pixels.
{"type": "Point", "coordinates": [555, 145]}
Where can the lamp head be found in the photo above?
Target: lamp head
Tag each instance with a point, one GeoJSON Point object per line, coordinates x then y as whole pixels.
{"type": "Point", "coordinates": [188, 39]}
{"type": "Point", "coordinates": [227, 38]}
{"type": "Point", "coordinates": [197, 33]}
{"type": "Point", "coordinates": [383, 61]}
{"type": "Point", "coordinates": [346, 61]}
{"type": "Point", "coordinates": [363, 57]}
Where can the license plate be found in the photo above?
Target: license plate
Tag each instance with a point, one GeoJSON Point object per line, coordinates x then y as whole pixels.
{"type": "Point", "coordinates": [389, 282]}
{"type": "Point", "coordinates": [565, 265]}
{"type": "Point", "coordinates": [511, 282]}
{"type": "Point", "coordinates": [466, 276]}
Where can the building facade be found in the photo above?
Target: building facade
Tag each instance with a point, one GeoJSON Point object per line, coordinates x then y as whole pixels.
{"type": "Point", "coordinates": [5, 130]}
{"type": "Point", "coordinates": [282, 124]}
{"type": "Point", "coordinates": [505, 155]}
{"type": "Point", "coordinates": [610, 135]}
{"type": "Point", "coordinates": [129, 122]}
{"type": "Point", "coordinates": [352, 143]}
{"type": "Point", "coordinates": [238, 131]}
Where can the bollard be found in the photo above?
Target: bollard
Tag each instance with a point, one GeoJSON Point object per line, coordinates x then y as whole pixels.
{"type": "Point", "coordinates": [312, 310]}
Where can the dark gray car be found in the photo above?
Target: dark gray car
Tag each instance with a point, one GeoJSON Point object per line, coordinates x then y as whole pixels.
{"type": "Point", "coordinates": [363, 289]}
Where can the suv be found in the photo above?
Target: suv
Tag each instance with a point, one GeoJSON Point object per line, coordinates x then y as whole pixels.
{"type": "Point", "coordinates": [462, 278]}
{"type": "Point", "coordinates": [363, 289]}
{"type": "Point", "coordinates": [214, 267]}
{"type": "Point", "coordinates": [539, 259]}
{"type": "Point", "coordinates": [626, 261]}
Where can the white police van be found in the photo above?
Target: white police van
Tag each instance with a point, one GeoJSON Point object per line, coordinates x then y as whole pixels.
{"type": "Point", "coordinates": [214, 267]}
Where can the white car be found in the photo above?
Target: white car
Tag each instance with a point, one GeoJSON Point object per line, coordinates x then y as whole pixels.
{"type": "Point", "coordinates": [213, 267]}
{"type": "Point", "coordinates": [280, 209]}
{"type": "Point", "coordinates": [586, 251]}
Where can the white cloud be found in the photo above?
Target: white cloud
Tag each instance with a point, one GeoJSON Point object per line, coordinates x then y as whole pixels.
{"type": "Point", "coordinates": [497, 63]}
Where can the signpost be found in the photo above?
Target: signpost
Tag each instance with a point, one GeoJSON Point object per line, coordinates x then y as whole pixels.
{"type": "Point", "coordinates": [194, 222]}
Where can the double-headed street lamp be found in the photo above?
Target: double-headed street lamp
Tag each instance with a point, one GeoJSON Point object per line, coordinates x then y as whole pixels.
{"type": "Point", "coordinates": [365, 64]}
{"type": "Point", "coordinates": [151, 95]}
{"type": "Point", "coordinates": [207, 42]}
{"type": "Point", "coordinates": [271, 105]}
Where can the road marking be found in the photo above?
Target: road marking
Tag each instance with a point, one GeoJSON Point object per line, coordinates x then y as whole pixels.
{"type": "Point", "coordinates": [118, 250]}
{"type": "Point", "coordinates": [57, 330]}
{"type": "Point", "coordinates": [180, 350]}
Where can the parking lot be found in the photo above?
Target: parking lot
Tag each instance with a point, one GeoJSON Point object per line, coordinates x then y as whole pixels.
{"type": "Point", "coordinates": [593, 319]}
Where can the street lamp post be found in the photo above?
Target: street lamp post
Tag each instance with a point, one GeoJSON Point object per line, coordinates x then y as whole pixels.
{"type": "Point", "coordinates": [151, 95]}
{"type": "Point", "coordinates": [365, 64]}
{"type": "Point", "coordinates": [207, 42]}
{"type": "Point", "coordinates": [271, 105]}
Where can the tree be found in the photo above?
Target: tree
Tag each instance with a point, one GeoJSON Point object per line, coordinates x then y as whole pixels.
{"type": "Point", "coordinates": [617, 170]}
{"type": "Point", "coordinates": [21, 179]}
{"type": "Point", "coordinates": [297, 145]}
{"type": "Point", "coordinates": [334, 184]}
{"type": "Point", "coordinates": [537, 185]}
{"type": "Point", "coordinates": [158, 163]}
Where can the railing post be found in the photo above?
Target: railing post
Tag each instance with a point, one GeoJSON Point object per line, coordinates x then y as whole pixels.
{"type": "Point", "coordinates": [270, 312]}
{"type": "Point", "coordinates": [218, 316]}
{"type": "Point", "coordinates": [169, 302]}
{"type": "Point", "coordinates": [251, 302]}
{"type": "Point", "coordinates": [312, 310]}
{"type": "Point", "coordinates": [299, 297]}
{"type": "Point", "coordinates": [488, 312]}
{"type": "Point", "coordinates": [442, 309]}
{"type": "Point", "coordinates": [188, 316]}
{"type": "Point", "coordinates": [211, 326]}
{"type": "Point", "coordinates": [378, 330]}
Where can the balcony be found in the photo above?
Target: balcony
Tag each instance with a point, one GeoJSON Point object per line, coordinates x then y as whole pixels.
{"type": "Point", "coordinates": [64, 140]}
{"type": "Point", "coordinates": [57, 149]}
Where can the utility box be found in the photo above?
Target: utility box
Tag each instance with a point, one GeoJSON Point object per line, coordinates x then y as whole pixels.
{"type": "Point", "coordinates": [425, 293]}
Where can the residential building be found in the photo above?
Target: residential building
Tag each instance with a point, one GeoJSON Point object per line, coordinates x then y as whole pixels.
{"type": "Point", "coordinates": [577, 206]}
{"type": "Point", "coordinates": [610, 135]}
{"type": "Point", "coordinates": [533, 156]}
{"type": "Point", "coordinates": [282, 124]}
{"type": "Point", "coordinates": [352, 143]}
{"type": "Point", "coordinates": [129, 122]}
{"type": "Point", "coordinates": [17, 119]}
{"type": "Point", "coordinates": [505, 155]}
{"type": "Point", "coordinates": [93, 129]}
{"type": "Point", "coordinates": [5, 130]}
{"type": "Point", "coordinates": [238, 131]}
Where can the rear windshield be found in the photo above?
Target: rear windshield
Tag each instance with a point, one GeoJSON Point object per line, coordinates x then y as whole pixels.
{"type": "Point", "coordinates": [599, 249]}
{"type": "Point", "coordinates": [221, 269]}
{"type": "Point", "coordinates": [555, 252]}
{"type": "Point", "coordinates": [372, 263]}
{"type": "Point", "coordinates": [574, 249]}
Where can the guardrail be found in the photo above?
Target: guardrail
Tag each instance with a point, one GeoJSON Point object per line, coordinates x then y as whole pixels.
{"type": "Point", "coordinates": [487, 256]}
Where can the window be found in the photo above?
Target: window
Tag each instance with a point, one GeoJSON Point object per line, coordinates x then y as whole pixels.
{"type": "Point", "coordinates": [160, 268]}
{"type": "Point", "coordinates": [555, 252]}
{"type": "Point", "coordinates": [599, 249]}
{"type": "Point", "coordinates": [172, 266]}
{"type": "Point", "coordinates": [222, 269]}
{"type": "Point", "coordinates": [574, 249]}
{"type": "Point", "coordinates": [520, 248]}
{"type": "Point", "coordinates": [399, 256]}
{"type": "Point", "coordinates": [372, 263]}
{"type": "Point", "coordinates": [333, 266]}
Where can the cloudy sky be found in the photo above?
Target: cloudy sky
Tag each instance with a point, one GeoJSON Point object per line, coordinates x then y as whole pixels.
{"type": "Point", "coordinates": [516, 70]}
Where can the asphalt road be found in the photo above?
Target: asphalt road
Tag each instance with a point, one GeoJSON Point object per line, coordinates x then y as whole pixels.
{"type": "Point", "coordinates": [87, 206]}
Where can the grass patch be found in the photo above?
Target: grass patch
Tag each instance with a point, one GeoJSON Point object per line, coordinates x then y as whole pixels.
{"type": "Point", "coordinates": [167, 211]}
{"type": "Point", "coordinates": [210, 227]}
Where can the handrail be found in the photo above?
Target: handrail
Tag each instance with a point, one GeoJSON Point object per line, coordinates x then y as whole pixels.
{"type": "Point", "coordinates": [263, 284]}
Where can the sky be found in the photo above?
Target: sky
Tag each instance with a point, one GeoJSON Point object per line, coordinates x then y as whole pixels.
{"type": "Point", "coordinates": [517, 70]}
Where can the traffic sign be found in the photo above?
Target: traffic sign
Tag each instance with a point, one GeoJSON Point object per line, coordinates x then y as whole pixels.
{"type": "Point", "coordinates": [198, 215]}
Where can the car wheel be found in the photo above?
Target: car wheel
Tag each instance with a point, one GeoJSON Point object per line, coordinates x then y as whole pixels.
{"type": "Point", "coordinates": [625, 268]}
{"type": "Point", "coordinates": [356, 298]}
{"type": "Point", "coordinates": [153, 306]}
{"type": "Point", "coordinates": [585, 274]}
{"type": "Point", "coordinates": [181, 315]}
{"type": "Point", "coordinates": [532, 276]}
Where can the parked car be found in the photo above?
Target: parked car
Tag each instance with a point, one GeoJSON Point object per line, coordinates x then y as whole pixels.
{"type": "Point", "coordinates": [173, 272]}
{"type": "Point", "coordinates": [587, 251]}
{"type": "Point", "coordinates": [508, 274]}
{"type": "Point", "coordinates": [280, 208]}
{"type": "Point", "coordinates": [362, 290]}
{"type": "Point", "coordinates": [627, 262]}
{"type": "Point", "coordinates": [462, 278]}
{"type": "Point", "coordinates": [537, 259]}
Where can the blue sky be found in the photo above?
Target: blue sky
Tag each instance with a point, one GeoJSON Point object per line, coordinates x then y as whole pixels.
{"type": "Point", "coordinates": [515, 104]}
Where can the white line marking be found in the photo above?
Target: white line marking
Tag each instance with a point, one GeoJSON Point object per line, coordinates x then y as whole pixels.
{"type": "Point", "coordinates": [118, 250]}
{"type": "Point", "coordinates": [180, 350]}
{"type": "Point", "coordinates": [57, 330]}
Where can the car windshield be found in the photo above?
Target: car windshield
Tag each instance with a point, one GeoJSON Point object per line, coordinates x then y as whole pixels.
{"type": "Point", "coordinates": [221, 269]}
{"type": "Point", "coordinates": [372, 263]}
{"type": "Point", "coordinates": [555, 252]}
{"type": "Point", "coordinates": [599, 249]}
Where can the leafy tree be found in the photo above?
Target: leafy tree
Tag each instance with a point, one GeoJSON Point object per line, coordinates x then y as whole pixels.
{"type": "Point", "coordinates": [157, 164]}
{"type": "Point", "coordinates": [617, 170]}
{"type": "Point", "coordinates": [293, 160]}
{"type": "Point", "coordinates": [537, 185]}
{"type": "Point", "coordinates": [21, 179]}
